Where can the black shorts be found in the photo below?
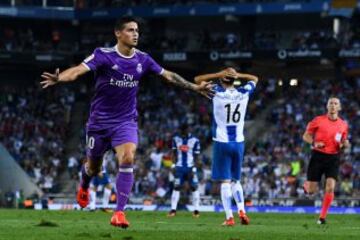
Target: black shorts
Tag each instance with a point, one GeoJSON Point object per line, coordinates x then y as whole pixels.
{"type": "Point", "coordinates": [322, 163]}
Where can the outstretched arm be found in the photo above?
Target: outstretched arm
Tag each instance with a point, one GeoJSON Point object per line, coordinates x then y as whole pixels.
{"type": "Point", "coordinates": [68, 75]}
{"type": "Point", "coordinates": [248, 77]}
{"type": "Point", "coordinates": [174, 78]}
{"type": "Point", "coordinates": [207, 77]}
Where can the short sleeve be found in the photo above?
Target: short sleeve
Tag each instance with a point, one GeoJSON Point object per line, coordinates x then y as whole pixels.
{"type": "Point", "coordinates": [94, 61]}
{"type": "Point", "coordinates": [249, 88]}
{"type": "Point", "coordinates": [312, 126]}
{"type": "Point", "coordinates": [197, 147]}
{"type": "Point", "coordinates": [153, 66]}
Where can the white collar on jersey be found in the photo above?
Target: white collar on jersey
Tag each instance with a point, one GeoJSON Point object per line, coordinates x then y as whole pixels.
{"type": "Point", "coordinates": [121, 55]}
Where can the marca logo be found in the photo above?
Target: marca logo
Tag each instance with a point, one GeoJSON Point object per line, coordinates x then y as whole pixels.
{"type": "Point", "coordinates": [115, 67]}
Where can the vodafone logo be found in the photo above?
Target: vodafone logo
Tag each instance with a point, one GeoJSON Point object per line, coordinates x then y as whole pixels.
{"type": "Point", "coordinates": [184, 148]}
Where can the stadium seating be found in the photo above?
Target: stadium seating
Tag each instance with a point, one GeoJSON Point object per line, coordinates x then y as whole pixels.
{"type": "Point", "coordinates": [33, 128]}
{"type": "Point", "coordinates": [34, 123]}
{"type": "Point", "coordinates": [272, 163]}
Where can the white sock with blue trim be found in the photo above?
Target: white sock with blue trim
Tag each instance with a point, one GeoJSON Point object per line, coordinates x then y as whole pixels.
{"type": "Point", "coordinates": [226, 198]}
{"type": "Point", "coordinates": [92, 204]}
{"type": "Point", "coordinates": [106, 198]}
{"type": "Point", "coordinates": [196, 199]}
{"type": "Point", "coordinates": [238, 195]}
{"type": "Point", "coordinates": [175, 196]}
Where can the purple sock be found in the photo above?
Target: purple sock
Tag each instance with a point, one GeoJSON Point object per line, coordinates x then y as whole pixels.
{"type": "Point", "coordinates": [85, 178]}
{"type": "Point", "coordinates": [124, 182]}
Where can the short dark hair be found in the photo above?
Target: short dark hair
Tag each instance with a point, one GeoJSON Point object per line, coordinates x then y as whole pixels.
{"type": "Point", "coordinates": [184, 127]}
{"type": "Point", "coordinates": [120, 23]}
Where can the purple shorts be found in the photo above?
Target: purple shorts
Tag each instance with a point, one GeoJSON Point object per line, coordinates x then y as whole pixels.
{"type": "Point", "coordinates": [99, 141]}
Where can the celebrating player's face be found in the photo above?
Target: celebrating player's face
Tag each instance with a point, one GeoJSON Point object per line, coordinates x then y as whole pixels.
{"type": "Point", "coordinates": [333, 105]}
{"type": "Point", "coordinates": [129, 35]}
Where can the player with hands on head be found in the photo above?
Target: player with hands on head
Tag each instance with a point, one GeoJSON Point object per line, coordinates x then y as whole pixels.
{"type": "Point", "coordinates": [229, 109]}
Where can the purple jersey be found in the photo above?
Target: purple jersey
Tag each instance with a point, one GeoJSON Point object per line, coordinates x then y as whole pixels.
{"type": "Point", "coordinates": [117, 82]}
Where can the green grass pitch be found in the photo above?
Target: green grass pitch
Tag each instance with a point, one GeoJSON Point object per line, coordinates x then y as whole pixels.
{"type": "Point", "coordinates": [49, 225]}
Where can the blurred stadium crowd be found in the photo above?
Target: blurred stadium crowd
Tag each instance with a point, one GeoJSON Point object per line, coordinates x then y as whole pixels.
{"type": "Point", "coordinates": [274, 165]}
{"type": "Point", "coordinates": [33, 127]}
{"type": "Point", "coordinates": [61, 39]}
{"type": "Point", "coordinates": [83, 37]}
{"type": "Point", "coordinates": [34, 124]}
{"type": "Point", "coordinates": [125, 3]}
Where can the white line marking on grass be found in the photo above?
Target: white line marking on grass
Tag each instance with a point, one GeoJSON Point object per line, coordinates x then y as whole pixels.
{"type": "Point", "coordinates": [352, 227]}
{"type": "Point", "coordinates": [181, 223]}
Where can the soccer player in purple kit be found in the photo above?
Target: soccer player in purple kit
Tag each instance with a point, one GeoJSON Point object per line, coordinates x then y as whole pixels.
{"type": "Point", "coordinates": [113, 116]}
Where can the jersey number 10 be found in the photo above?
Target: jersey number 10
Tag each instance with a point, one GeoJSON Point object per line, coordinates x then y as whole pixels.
{"type": "Point", "coordinates": [236, 114]}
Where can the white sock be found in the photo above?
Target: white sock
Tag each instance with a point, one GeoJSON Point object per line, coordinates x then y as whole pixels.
{"type": "Point", "coordinates": [106, 197]}
{"type": "Point", "coordinates": [175, 196]}
{"type": "Point", "coordinates": [196, 199]}
{"type": "Point", "coordinates": [226, 198]}
{"type": "Point", "coordinates": [92, 199]}
{"type": "Point", "coordinates": [238, 195]}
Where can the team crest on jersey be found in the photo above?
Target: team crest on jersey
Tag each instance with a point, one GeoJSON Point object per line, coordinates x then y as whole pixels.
{"type": "Point", "coordinates": [139, 68]}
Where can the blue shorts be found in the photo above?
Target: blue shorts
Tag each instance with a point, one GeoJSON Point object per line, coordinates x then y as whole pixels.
{"type": "Point", "coordinates": [97, 180]}
{"type": "Point", "coordinates": [227, 160]}
{"type": "Point", "coordinates": [183, 174]}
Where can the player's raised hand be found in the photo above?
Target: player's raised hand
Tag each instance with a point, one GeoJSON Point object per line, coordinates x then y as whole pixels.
{"type": "Point", "coordinates": [228, 73]}
{"type": "Point", "coordinates": [248, 77]}
{"type": "Point", "coordinates": [49, 78]}
{"type": "Point", "coordinates": [206, 89]}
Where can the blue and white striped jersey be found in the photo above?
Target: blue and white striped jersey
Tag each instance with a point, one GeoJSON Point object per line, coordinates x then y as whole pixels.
{"type": "Point", "coordinates": [229, 109]}
{"type": "Point", "coordinates": [186, 148]}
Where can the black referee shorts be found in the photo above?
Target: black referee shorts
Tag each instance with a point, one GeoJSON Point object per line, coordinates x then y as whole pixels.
{"type": "Point", "coordinates": [322, 163]}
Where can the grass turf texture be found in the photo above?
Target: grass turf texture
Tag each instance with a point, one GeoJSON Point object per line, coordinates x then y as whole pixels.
{"type": "Point", "coordinates": [48, 225]}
